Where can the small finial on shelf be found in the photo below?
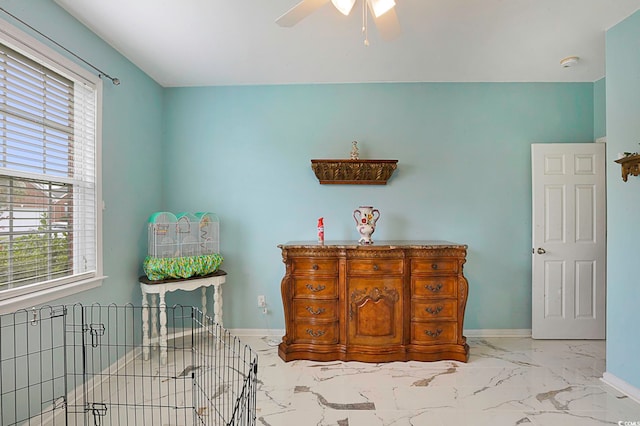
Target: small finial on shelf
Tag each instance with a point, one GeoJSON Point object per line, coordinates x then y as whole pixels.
{"type": "Point", "coordinates": [354, 151]}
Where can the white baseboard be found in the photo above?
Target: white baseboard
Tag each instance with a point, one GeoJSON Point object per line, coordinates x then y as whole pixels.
{"type": "Point", "coordinates": [257, 332]}
{"type": "Point", "coordinates": [487, 332]}
{"type": "Point", "coordinates": [498, 332]}
{"type": "Point", "coordinates": [619, 384]}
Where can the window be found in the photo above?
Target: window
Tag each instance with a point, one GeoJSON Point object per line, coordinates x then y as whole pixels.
{"type": "Point", "coordinates": [49, 174]}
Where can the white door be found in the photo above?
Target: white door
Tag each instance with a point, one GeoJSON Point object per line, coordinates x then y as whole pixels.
{"type": "Point", "coordinates": [569, 248]}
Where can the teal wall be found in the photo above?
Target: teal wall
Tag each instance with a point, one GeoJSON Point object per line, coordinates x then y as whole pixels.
{"type": "Point", "coordinates": [243, 152]}
{"type": "Point", "coordinates": [463, 175]}
{"type": "Point", "coordinates": [623, 200]}
{"type": "Point", "coordinates": [599, 109]}
{"type": "Point", "coordinates": [132, 131]}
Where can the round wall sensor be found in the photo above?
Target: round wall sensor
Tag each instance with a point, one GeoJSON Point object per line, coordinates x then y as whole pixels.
{"type": "Point", "coordinates": [569, 61]}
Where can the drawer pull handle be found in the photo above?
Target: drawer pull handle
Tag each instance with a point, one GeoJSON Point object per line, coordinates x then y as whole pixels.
{"type": "Point", "coordinates": [433, 334]}
{"type": "Point", "coordinates": [434, 266]}
{"type": "Point", "coordinates": [315, 289]}
{"type": "Point", "coordinates": [435, 289]}
{"type": "Point", "coordinates": [318, 333]}
{"type": "Point", "coordinates": [375, 267]}
{"type": "Point", "coordinates": [314, 267]}
{"type": "Point", "coordinates": [435, 311]}
{"type": "Point", "coordinates": [315, 312]}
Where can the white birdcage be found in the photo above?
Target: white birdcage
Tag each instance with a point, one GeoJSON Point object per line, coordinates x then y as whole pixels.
{"type": "Point", "coordinates": [163, 241]}
{"type": "Point", "coordinates": [187, 230]}
{"type": "Point", "coordinates": [208, 232]}
{"type": "Point", "coordinates": [182, 245]}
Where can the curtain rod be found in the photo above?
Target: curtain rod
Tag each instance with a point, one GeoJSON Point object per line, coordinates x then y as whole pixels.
{"type": "Point", "coordinates": [101, 73]}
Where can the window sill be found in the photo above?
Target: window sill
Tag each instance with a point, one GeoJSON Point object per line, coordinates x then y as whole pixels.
{"type": "Point", "coordinates": [41, 297]}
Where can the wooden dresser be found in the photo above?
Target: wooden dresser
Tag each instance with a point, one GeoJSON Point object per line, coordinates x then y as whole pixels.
{"type": "Point", "coordinates": [390, 301]}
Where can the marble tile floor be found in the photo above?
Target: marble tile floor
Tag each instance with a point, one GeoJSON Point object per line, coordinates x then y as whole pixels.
{"type": "Point", "coordinates": [507, 381]}
{"type": "Point", "coordinates": [200, 384]}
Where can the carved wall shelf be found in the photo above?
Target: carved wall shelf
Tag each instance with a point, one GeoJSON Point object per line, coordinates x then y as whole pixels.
{"type": "Point", "coordinates": [353, 172]}
{"type": "Point", "coordinates": [630, 165]}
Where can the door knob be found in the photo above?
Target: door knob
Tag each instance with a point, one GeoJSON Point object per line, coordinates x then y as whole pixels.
{"type": "Point", "coordinates": [541, 250]}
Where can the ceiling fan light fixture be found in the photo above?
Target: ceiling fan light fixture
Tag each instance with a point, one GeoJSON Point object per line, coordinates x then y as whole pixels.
{"type": "Point", "coordinates": [344, 6]}
{"type": "Point", "coordinates": [380, 7]}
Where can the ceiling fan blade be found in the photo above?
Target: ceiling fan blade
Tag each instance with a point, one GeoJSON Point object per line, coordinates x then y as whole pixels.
{"type": "Point", "coordinates": [300, 11]}
{"type": "Point", "coordinates": [388, 25]}
{"type": "Point", "coordinates": [380, 7]}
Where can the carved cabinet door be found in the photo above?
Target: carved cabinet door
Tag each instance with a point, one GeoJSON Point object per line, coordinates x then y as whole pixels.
{"type": "Point", "coordinates": [375, 311]}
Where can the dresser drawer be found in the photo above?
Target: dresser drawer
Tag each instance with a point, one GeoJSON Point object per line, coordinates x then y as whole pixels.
{"type": "Point", "coordinates": [321, 310]}
{"type": "Point", "coordinates": [434, 332]}
{"type": "Point", "coordinates": [434, 286]}
{"type": "Point", "coordinates": [315, 332]}
{"type": "Point", "coordinates": [434, 266]}
{"type": "Point", "coordinates": [321, 288]}
{"type": "Point", "coordinates": [375, 266]}
{"type": "Point", "coordinates": [434, 309]}
{"type": "Point", "coordinates": [320, 266]}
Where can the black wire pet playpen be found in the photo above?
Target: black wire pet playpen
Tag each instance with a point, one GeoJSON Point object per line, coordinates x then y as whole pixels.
{"type": "Point", "coordinates": [84, 365]}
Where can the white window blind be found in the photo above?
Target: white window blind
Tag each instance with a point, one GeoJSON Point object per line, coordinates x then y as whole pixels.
{"type": "Point", "coordinates": [48, 217]}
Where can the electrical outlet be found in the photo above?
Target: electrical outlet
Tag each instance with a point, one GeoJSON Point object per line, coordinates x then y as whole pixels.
{"type": "Point", "coordinates": [262, 302]}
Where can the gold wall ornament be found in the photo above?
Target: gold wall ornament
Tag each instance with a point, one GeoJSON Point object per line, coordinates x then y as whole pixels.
{"type": "Point", "coordinates": [630, 165]}
{"type": "Point", "coordinates": [354, 172]}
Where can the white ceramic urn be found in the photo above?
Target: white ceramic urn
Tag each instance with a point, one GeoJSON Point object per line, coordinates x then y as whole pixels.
{"type": "Point", "coordinates": [366, 218]}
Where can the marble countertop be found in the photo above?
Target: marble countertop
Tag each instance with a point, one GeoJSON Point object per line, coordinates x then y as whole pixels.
{"type": "Point", "coordinates": [382, 244]}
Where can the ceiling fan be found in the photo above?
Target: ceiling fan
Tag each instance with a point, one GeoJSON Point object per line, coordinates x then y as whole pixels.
{"type": "Point", "coordinates": [382, 11]}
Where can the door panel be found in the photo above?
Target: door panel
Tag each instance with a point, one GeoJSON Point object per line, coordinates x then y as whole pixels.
{"type": "Point", "coordinates": [375, 311]}
{"type": "Point", "coordinates": [554, 282]}
{"type": "Point", "coordinates": [554, 213]}
{"type": "Point", "coordinates": [585, 216]}
{"type": "Point", "coordinates": [585, 289]}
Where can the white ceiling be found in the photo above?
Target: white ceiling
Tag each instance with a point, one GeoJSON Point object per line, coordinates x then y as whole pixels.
{"type": "Point", "coordinates": [236, 42]}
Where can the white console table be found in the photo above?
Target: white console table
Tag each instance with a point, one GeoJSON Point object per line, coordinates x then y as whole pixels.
{"type": "Point", "coordinates": [160, 288]}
